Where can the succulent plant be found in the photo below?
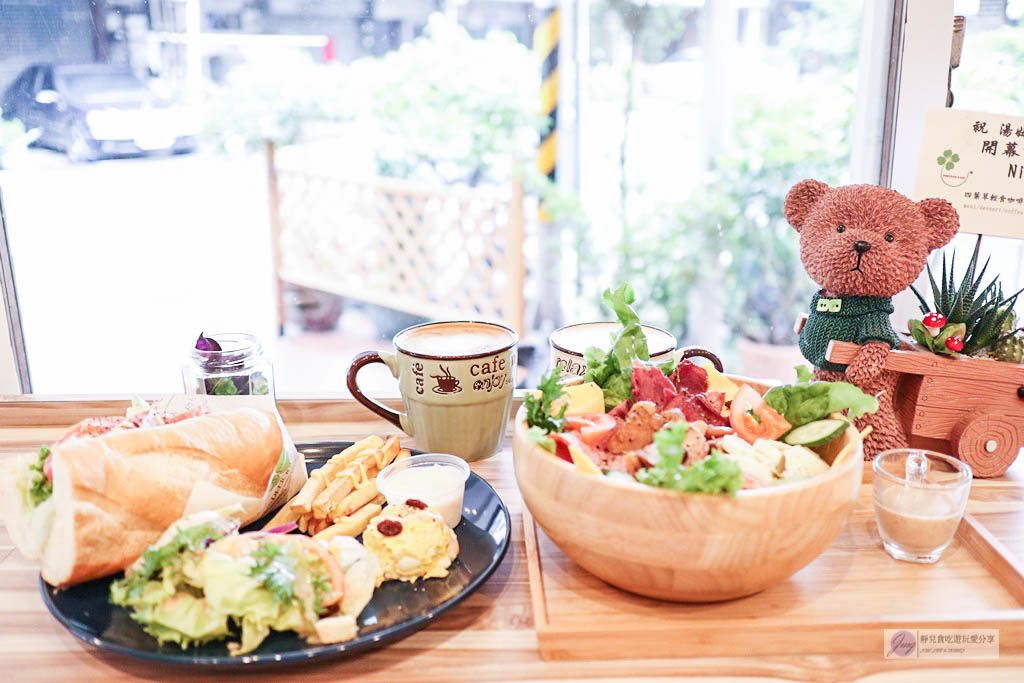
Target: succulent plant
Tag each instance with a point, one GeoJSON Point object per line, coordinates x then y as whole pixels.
{"type": "Point", "coordinates": [1010, 348]}
{"type": "Point", "coordinates": [982, 312]}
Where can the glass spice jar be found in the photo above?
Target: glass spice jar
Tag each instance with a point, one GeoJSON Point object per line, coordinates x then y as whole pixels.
{"type": "Point", "coordinates": [228, 364]}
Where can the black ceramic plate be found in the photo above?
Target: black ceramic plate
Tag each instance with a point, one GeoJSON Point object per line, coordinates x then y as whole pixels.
{"type": "Point", "coordinates": [397, 609]}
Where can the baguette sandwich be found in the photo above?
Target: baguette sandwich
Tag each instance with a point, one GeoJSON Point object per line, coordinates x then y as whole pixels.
{"type": "Point", "coordinates": [93, 502]}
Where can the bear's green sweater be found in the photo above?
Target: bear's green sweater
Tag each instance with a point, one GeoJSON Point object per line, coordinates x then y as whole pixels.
{"type": "Point", "coordinates": [857, 319]}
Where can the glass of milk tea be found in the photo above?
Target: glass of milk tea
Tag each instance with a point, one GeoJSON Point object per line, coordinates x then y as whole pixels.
{"type": "Point", "coordinates": [920, 497]}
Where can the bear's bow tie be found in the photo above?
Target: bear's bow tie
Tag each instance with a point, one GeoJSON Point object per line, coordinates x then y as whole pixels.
{"type": "Point", "coordinates": [829, 305]}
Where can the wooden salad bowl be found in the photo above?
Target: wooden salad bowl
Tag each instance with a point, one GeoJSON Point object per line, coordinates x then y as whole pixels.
{"type": "Point", "coordinates": [687, 547]}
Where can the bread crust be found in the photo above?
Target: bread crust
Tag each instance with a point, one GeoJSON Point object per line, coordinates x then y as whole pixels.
{"type": "Point", "coordinates": [115, 494]}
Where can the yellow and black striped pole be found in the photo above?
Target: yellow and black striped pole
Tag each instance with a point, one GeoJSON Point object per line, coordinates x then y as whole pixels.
{"type": "Point", "coordinates": [545, 46]}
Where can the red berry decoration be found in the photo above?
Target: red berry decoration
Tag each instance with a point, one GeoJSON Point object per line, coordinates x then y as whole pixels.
{"type": "Point", "coordinates": [955, 344]}
{"type": "Point", "coordinates": [389, 527]}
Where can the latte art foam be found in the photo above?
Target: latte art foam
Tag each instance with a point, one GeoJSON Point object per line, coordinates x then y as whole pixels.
{"type": "Point", "coordinates": [454, 339]}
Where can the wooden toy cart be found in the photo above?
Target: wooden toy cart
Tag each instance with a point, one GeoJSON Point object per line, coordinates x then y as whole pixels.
{"type": "Point", "coordinates": [970, 407]}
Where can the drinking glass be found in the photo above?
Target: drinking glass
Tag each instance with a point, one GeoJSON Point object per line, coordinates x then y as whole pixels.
{"type": "Point", "coordinates": [920, 498]}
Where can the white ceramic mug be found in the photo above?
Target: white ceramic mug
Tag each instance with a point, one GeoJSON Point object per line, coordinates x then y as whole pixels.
{"type": "Point", "coordinates": [456, 380]}
{"type": "Point", "coordinates": [567, 344]}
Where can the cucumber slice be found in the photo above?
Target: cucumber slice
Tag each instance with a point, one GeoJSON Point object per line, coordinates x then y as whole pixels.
{"type": "Point", "coordinates": [816, 433]}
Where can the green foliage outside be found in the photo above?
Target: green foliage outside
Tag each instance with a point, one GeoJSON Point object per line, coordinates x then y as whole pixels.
{"type": "Point", "coordinates": [990, 77]}
{"type": "Point", "coordinates": [444, 107]}
{"type": "Point", "coordinates": [731, 228]}
{"type": "Point", "coordinates": [14, 139]}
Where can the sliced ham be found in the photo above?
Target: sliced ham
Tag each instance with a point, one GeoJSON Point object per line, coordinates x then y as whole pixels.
{"type": "Point", "coordinates": [620, 411]}
{"type": "Point", "coordinates": [695, 408]}
{"type": "Point", "coordinates": [689, 378]}
{"type": "Point", "coordinates": [651, 384]}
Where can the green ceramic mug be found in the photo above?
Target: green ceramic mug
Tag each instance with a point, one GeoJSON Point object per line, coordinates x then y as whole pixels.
{"type": "Point", "coordinates": [456, 380]}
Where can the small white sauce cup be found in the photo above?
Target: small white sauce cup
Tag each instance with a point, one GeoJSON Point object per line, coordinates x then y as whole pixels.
{"type": "Point", "coordinates": [446, 498]}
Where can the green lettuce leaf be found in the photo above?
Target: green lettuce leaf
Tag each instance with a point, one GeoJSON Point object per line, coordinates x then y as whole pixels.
{"type": "Point", "coordinates": [182, 618]}
{"type": "Point", "coordinates": [540, 437]}
{"type": "Point", "coordinates": [166, 558]}
{"type": "Point", "coordinates": [38, 487]}
{"type": "Point", "coordinates": [258, 592]}
{"type": "Point", "coordinates": [612, 370]}
{"type": "Point", "coordinates": [275, 569]}
{"type": "Point", "coordinates": [714, 474]}
{"type": "Point", "coordinates": [808, 400]}
{"type": "Point", "coordinates": [538, 409]}
{"type": "Point", "coordinates": [803, 374]}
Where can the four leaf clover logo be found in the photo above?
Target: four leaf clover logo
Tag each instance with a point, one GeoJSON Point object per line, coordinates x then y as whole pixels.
{"type": "Point", "coordinates": [948, 159]}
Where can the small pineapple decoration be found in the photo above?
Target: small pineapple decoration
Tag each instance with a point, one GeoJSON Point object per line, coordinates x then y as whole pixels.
{"type": "Point", "coordinates": [1010, 347]}
{"type": "Point", "coordinates": [972, 320]}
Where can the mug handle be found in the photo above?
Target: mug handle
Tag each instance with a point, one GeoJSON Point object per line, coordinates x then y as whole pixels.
{"type": "Point", "coordinates": [691, 351]}
{"type": "Point", "coordinates": [366, 358]}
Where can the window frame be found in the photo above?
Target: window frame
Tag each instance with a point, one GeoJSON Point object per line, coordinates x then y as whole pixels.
{"type": "Point", "coordinates": [14, 375]}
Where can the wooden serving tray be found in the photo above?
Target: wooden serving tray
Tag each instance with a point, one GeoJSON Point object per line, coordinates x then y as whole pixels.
{"type": "Point", "coordinates": [840, 603]}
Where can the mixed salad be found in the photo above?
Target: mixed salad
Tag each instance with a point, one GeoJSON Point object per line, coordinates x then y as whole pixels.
{"type": "Point", "coordinates": [203, 581]}
{"type": "Point", "coordinates": [682, 426]}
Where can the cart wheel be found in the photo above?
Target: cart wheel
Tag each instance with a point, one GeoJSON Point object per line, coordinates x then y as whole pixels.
{"type": "Point", "coordinates": [988, 443]}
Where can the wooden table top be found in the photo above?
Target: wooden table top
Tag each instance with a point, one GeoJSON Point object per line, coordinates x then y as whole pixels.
{"type": "Point", "coordinates": [490, 636]}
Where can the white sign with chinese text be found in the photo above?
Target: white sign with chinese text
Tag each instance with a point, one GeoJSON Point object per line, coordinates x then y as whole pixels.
{"type": "Point", "coordinates": [976, 162]}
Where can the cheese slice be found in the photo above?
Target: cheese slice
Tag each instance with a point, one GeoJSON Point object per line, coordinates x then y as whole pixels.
{"type": "Point", "coordinates": [582, 461]}
{"type": "Point", "coordinates": [582, 399]}
{"type": "Point", "coordinates": [719, 382]}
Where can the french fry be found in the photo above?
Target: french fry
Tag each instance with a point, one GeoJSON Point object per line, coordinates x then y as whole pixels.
{"type": "Point", "coordinates": [354, 500]}
{"type": "Point", "coordinates": [354, 452]}
{"type": "Point", "coordinates": [285, 515]}
{"type": "Point", "coordinates": [341, 497]}
{"type": "Point", "coordinates": [320, 478]}
{"type": "Point", "coordinates": [310, 490]}
{"type": "Point", "coordinates": [343, 484]}
{"type": "Point", "coordinates": [391, 447]}
{"type": "Point", "coordinates": [353, 525]}
{"type": "Point", "coordinates": [360, 469]}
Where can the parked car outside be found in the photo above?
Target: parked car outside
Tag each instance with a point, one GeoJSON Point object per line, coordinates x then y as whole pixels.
{"type": "Point", "coordinates": [91, 111]}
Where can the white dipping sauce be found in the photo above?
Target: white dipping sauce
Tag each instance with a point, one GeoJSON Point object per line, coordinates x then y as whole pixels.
{"type": "Point", "coordinates": [439, 486]}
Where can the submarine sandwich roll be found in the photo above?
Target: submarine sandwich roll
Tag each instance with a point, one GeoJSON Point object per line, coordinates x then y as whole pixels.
{"type": "Point", "coordinates": [93, 502]}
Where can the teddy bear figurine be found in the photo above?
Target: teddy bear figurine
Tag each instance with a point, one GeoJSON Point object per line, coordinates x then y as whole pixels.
{"type": "Point", "coordinates": [863, 244]}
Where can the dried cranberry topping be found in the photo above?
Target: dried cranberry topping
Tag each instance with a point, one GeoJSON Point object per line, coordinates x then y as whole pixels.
{"type": "Point", "coordinates": [389, 527]}
{"type": "Point", "coordinates": [416, 503]}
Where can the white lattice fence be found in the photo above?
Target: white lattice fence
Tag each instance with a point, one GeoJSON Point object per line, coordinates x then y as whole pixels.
{"type": "Point", "coordinates": [437, 251]}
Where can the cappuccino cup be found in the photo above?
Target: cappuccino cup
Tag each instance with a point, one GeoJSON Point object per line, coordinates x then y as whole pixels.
{"type": "Point", "coordinates": [567, 344]}
{"type": "Point", "coordinates": [456, 380]}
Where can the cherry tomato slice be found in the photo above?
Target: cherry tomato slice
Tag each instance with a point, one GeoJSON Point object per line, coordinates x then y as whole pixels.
{"type": "Point", "coordinates": [48, 467]}
{"type": "Point", "coordinates": [93, 426]}
{"type": "Point", "coordinates": [561, 447]}
{"type": "Point", "coordinates": [752, 419]}
{"type": "Point", "coordinates": [592, 428]}
{"type": "Point", "coordinates": [194, 412]}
